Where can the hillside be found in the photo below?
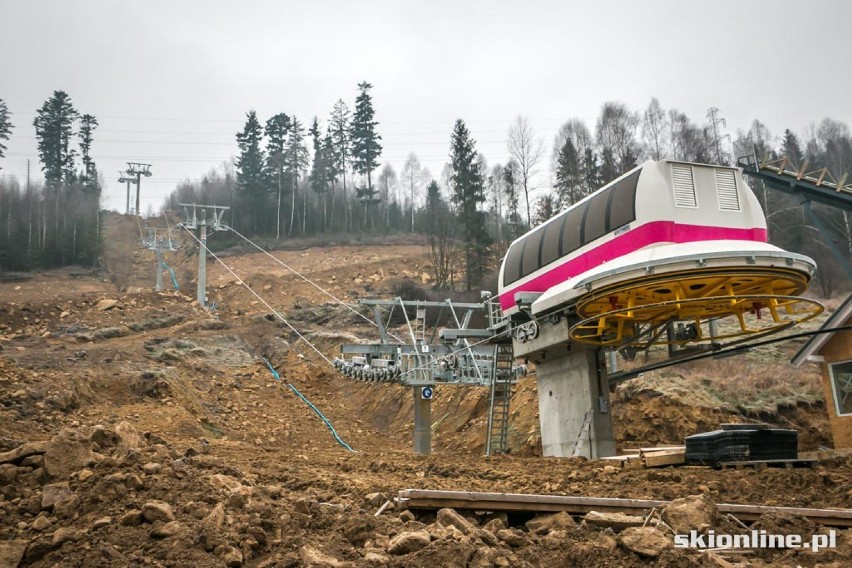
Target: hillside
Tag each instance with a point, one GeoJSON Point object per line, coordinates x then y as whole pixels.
{"type": "Point", "coordinates": [133, 396]}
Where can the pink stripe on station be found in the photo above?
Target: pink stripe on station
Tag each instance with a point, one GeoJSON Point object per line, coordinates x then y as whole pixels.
{"type": "Point", "coordinates": [656, 232]}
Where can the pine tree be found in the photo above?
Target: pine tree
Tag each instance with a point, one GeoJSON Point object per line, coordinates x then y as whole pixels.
{"type": "Point", "coordinates": [250, 171]}
{"type": "Point", "coordinates": [88, 123]}
{"type": "Point", "coordinates": [276, 130]}
{"type": "Point", "coordinates": [468, 193]}
{"type": "Point", "coordinates": [365, 140]}
{"type": "Point", "coordinates": [5, 128]}
{"type": "Point", "coordinates": [54, 124]}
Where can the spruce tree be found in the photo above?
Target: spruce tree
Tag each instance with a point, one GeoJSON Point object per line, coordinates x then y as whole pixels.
{"type": "Point", "coordinates": [277, 128]}
{"type": "Point", "coordinates": [339, 128]}
{"type": "Point", "coordinates": [88, 123]}
{"type": "Point", "coordinates": [468, 194]}
{"type": "Point", "coordinates": [54, 124]}
{"type": "Point", "coordinates": [569, 176]}
{"type": "Point", "coordinates": [250, 172]}
{"type": "Point", "coordinates": [319, 171]}
{"type": "Point", "coordinates": [296, 162]}
{"type": "Point", "coordinates": [365, 140]}
{"type": "Point", "coordinates": [791, 148]}
{"type": "Point", "coordinates": [5, 128]}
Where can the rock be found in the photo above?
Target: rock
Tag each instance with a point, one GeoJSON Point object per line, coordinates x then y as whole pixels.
{"type": "Point", "coordinates": [615, 521]}
{"type": "Point", "coordinates": [21, 452]}
{"type": "Point", "coordinates": [67, 508]}
{"type": "Point", "coordinates": [375, 499]}
{"type": "Point", "coordinates": [85, 474]}
{"type": "Point", "coordinates": [41, 522]}
{"type": "Point", "coordinates": [376, 559]}
{"type": "Point", "coordinates": [34, 461]}
{"type": "Point", "coordinates": [129, 440]}
{"type": "Point", "coordinates": [694, 512]}
{"type": "Point", "coordinates": [66, 534]}
{"type": "Point", "coordinates": [132, 518]}
{"type": "Point", "coordinates": [172, 528]}
{"type": "Point", "coordinates": [152, 468]}
{"type": "Point", "coordinates": [34, 504]}
{"type": "Point", "coordinates": [12, 552]}
{"type": "Point", "coordinates": [546, 523]}
{"type": "Point", "coordinates": [67, 452]}
{"type": "Point", "coordinates": [224, 482]}
{"type": "Point", "coordinates": [513, 537]}
{"type": "Point", "coordinates": [406, 542]}
{"type": "Point", "coordinates": [644, 541]}
{"type": "Point", "coordinates": [106, 304]}
{"type": "Point", "coordinates": [8, 473]}
{"type": "Point", "coordinates": [449, 517]}
{"type": "Point", "coordinates": [135, 482]}
{"type": "Point", "coordinates": [232, 557]}
{"type": "Point", "coordinates": [153, 511]}
{"type": "Point", "coordinates": [101, 523]}
{"type": "Point", "coordinates": [54, 493]}
{"type": "Point", "coordinates": [406, 516]}
{"type": "Point", "coordinates": [312, 556]}
{"type": "Point", "coordinates": [486, 537]}
{"type": "Point", "coordinates": [216, 517]}
{"type": "Point", "coordinates": [495, 525]}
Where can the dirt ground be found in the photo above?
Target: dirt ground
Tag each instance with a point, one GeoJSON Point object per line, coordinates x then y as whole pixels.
{"type": "Point", "coordinates": [153, 433]}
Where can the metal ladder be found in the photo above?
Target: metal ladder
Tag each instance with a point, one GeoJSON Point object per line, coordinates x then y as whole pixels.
{"type": "Point", "coordinates": [501, 393]}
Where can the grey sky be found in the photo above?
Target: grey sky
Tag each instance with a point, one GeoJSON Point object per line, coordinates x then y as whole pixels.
{"type": "Point", "coordinates": [170, 81]}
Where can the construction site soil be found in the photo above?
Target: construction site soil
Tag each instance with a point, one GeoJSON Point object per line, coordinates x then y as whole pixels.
{"type": "Point", "coordinates": [139, 429]}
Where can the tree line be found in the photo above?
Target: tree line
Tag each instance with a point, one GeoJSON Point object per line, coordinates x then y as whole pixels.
{"type": "Point", "coordinates": [56, 222]}
{"type": "Point", "coordinates": [291, 180]}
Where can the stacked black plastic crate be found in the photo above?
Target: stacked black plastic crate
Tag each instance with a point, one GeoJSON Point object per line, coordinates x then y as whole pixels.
{"type": "Point", "coordinates": [741, 442]}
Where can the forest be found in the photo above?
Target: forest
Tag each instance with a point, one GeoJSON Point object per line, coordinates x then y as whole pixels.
{"type": "Point", "coordinates": [289, 180]}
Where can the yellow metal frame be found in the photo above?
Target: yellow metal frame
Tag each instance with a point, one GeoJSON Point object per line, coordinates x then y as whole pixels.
{"type": "Point", "coordinates": [749, 301]}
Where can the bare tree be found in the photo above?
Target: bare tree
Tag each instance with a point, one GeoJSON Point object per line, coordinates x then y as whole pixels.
{"type": "Point", "coordinates": [527, 151]}
{"type": "Point", "coordinates": [616, 137]}
{"type": "Point", "coordinates": [654, 130]}
{"type": "Point", "coordinates": [412, 177]}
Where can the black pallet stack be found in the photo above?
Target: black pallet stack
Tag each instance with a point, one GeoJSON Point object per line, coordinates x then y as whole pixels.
{"type": "Point", "coordinates": [741, 443]}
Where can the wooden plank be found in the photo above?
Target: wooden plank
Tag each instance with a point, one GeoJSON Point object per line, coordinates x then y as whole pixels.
{"type": "Point", "coordinates": [643, 451]}
{"type": "Point", "coordinates": [428, 499]}
{"type": "Point", "coordinates": [660, 460]}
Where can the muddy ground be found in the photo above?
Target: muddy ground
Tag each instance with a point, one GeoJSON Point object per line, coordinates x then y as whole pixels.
{"type": "Point", "coordinates": [149, 432]}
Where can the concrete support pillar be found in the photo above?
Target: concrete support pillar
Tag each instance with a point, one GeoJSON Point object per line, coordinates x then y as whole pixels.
{"type": "Point", "coordinates": [422, 423]}
{"type": "Point", "coordinates": [159, 285]}
{"type": "Point", "coordinates": [202, 265]}
{"type": "Point", "coordinates": [568, 387]}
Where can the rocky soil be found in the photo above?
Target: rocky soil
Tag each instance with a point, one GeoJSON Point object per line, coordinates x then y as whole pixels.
{"type": "Point", "coordinates": [137, 429]}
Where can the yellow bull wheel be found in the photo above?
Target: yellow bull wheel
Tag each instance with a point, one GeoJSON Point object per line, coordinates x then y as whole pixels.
{"type": "Point", "coordinates": [756, 301]}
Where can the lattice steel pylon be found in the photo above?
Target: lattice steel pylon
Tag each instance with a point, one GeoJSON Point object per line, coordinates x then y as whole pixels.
{"type": "Point", "coordinates": [202, 218]}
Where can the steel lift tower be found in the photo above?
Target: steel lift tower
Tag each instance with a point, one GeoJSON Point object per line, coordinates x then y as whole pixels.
{"type": "Point", "coordinates": [126, 179]}
{"type": "Point", "coordinates": [202, 218]}
{"type": "Point", "coordinates": [159, 240]}
{"type": "Point", "coordinates": [137, 170]}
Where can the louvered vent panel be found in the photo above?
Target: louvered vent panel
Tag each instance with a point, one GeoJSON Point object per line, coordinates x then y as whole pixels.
{"type": "Point", "coordinates": [726, 189]}
{"type": "Point", "coordinates": [684, 186]}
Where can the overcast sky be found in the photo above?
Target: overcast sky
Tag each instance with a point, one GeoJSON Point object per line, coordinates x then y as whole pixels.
{"type": "Point", "coordinates": [170, 81]}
